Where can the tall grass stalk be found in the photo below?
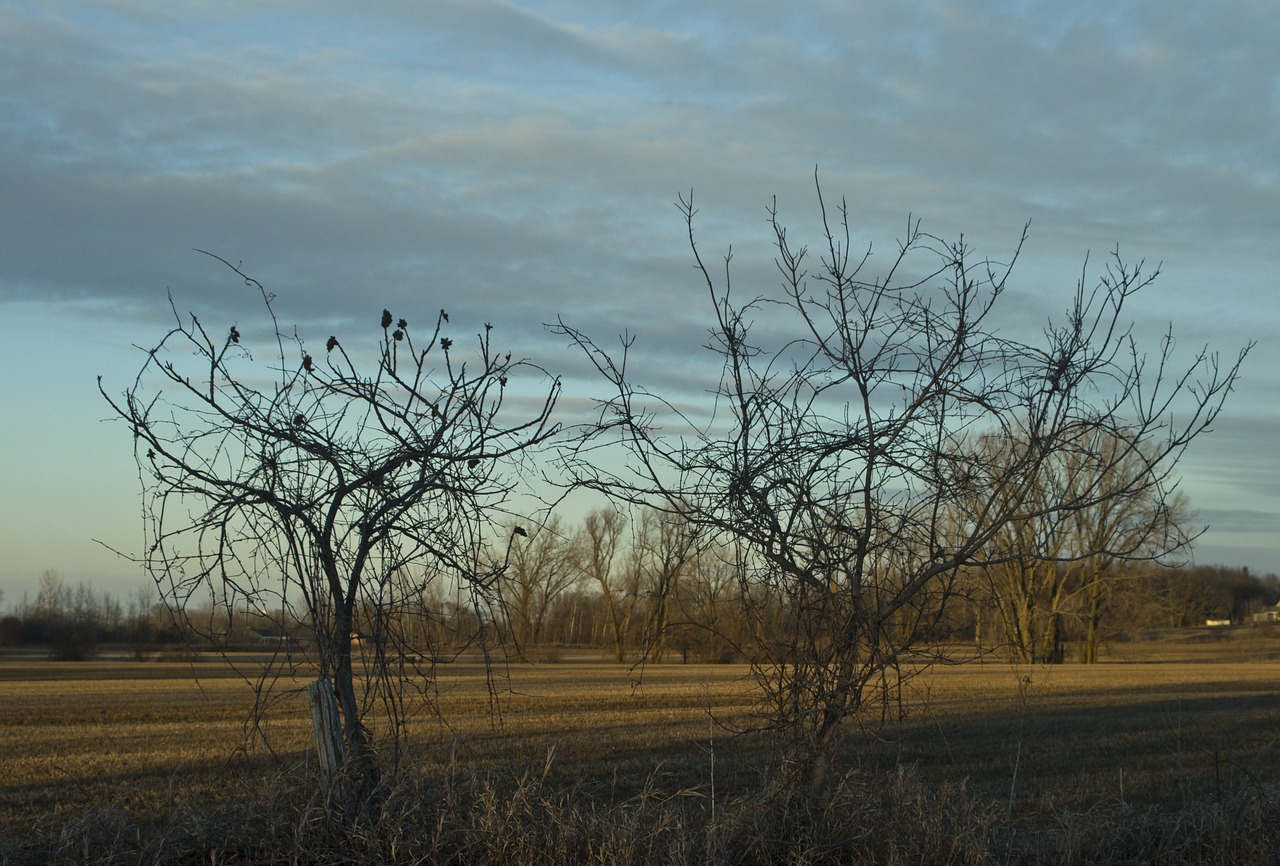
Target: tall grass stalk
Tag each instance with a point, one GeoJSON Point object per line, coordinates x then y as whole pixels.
{"type": "Point", "coordinates": [887, 818]}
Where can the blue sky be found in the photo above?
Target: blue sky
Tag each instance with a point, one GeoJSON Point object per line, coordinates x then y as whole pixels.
{"type": "Point", "coordinates": [518, 161]}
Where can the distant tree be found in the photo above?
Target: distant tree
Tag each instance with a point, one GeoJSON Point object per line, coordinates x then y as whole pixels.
{"type": "Point", "coordinates": [1145, 523]}
{"type": "Point", "coordinates": [605, 565]}
{"type": "Point", "coordinates": [1099, 501]}
{"type": "Point", "coordinates": [664, 546]}
{"type": "Point", "coordinates": [575, 620]}
{"type": "Point", "coordinates": [310, 484]}
{"type": "Point", "coordinates": [66, 619]}
{"type": "Point", "coordinates": [835, 455]}
{"type": "Point", "coordinates": [1219, 592]}
{"type": "Point", "coordinates": [541, 569]}
{"type": "Point", "coordinates": [710, 627]}
{"type": "Point", "coordinates": [10, 630]}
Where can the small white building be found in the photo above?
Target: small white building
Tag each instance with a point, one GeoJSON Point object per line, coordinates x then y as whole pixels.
{"type": "Point", "coordinates": [1267, 614]}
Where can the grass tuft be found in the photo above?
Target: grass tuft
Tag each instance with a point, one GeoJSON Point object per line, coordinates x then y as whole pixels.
{"type": "Point", "coordinates": [889, 819]}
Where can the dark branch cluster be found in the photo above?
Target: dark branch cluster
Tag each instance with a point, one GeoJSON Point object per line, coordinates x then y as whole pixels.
{"type": "Point", "coordinates": [893, 441]}
{"type": "Point", "coordinates": [892, 451]}
{"type": "Point", "coordinates": [323, 485]}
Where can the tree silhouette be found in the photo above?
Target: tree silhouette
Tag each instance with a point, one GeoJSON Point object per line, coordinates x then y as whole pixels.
{"type": "Point", "coordinates": [837, 457]}
{"type": "Point", "coordinates": [329, 488]}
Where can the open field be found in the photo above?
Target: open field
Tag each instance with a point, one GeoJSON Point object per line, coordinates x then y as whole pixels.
{"type": "Point", "coordinates": [153, 736]}
{"type": "Point", "coordinates": [141, 733]}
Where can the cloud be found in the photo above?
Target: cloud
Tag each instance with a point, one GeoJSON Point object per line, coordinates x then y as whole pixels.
{"type": "Point", "coordinates": [1240, 520]}
{"type": "Point", "coordinates": [516, 162]}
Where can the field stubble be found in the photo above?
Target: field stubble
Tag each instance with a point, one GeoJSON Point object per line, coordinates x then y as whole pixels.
{"type": "Point", "coordinates": [147, 737]}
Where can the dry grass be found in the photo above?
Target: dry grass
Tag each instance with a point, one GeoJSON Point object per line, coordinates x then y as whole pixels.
{"type": "Point", "coordinates": [590, 762]}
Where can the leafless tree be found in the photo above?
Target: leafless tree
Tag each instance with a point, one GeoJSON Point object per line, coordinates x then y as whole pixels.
{"type": "Point", "coordinates": [1100, 501]}
{"type": "Point", "coordinates": [543, 566]}
{"type": "Point", "coordinates": [602, 560]}
{"type": "Point", "coordinates": [837, 457]}
{"type": "Point", "coordinates": [664, 546]}
{"type": "Point", "coordinates": [1149, 524]}
{"type": "Point", "coordinates": [316, 481]}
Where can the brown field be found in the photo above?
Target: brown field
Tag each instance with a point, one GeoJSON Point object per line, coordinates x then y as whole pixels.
{"type": "Point", "coordinates": [1162, 724]}
{"type": "Point", "coordinates": [141, 734]}
{"type": "Point", "coordinates": [115, 730]}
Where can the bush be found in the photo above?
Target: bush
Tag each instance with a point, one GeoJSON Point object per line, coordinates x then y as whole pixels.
{"type": "Point", "coordinates": [72, 646]}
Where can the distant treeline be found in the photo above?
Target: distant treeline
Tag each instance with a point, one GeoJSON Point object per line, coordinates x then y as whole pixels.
{"type": "Point", "coordinates": [642, 587]}
{"type": "Point", "coordinates": [72, 621]}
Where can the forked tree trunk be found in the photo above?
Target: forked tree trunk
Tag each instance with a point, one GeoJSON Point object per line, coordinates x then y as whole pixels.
{"type": "Point", "coordinates": [355, 786]}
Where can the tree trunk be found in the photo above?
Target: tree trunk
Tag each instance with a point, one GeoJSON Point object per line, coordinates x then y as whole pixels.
{"type": "Point", "coordinates": [1053, 644]}
{"type": "Point", "coordinates": [1090, 640]}
{"type": "Point", "coordinates": [360, 777]}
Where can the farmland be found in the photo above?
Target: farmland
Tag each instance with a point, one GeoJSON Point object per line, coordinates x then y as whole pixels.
{"type": "Point", "coordinates": [1166, 725]}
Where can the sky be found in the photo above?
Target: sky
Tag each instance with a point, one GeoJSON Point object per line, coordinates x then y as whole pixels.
{"type": "Point", "coordinates": [515, 162]}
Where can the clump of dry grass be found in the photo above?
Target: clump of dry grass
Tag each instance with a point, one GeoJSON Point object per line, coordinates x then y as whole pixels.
{"type": "Point", "coordinates": [1238, 828]}
{"type": "Point", "coordinates": [456, 819]}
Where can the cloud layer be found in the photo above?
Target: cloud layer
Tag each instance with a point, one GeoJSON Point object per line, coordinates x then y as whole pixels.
{"type": "Point", "coordinates": [518, 162]}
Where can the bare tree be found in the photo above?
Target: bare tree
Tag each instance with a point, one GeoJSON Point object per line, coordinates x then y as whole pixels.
{"type": "Point", "coordinates": [601, 543]}
{"type": "Point", "coordinates": [543, 566]}
{"type": "Point", "coordinates": [1098, 501]}
{"type": "Point", "coordinates": [664, 546]}
{"type": "Point", "coordinates": [710, 624]}
{"type": "Point", "coordinates": [1025, 578]}
{"type": "Point", "coordinates": [836, 454]}
{"type": "Point", "coordinates": [1149, 524]}
{"type": "Point", "coordinates": [315, 482]}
